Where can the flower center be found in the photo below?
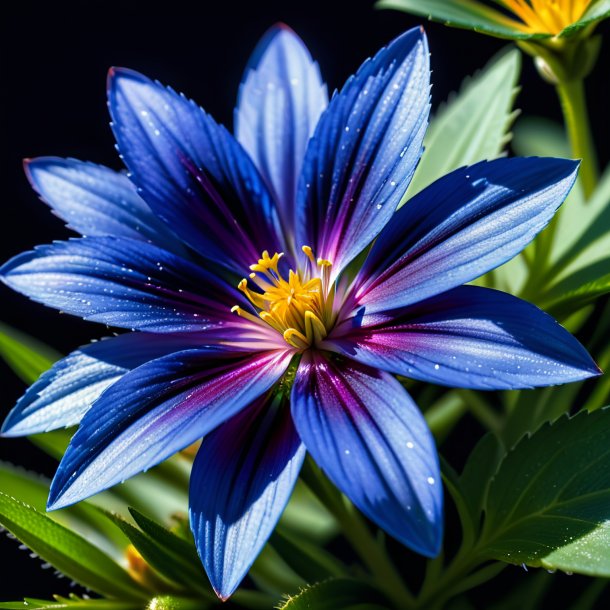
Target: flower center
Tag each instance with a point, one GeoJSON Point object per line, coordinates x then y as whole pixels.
{"type": "Point", "coordinates": [299, 306]}
{"type": "Point", "coordinates": [547, 16]}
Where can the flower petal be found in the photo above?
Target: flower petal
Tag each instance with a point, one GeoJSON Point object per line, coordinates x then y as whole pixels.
{"type": "Point", "coordinates": [467, 337]}
{"type": "Point", "coordinates": [280, 101]}
{"type": "Point", "coordinates": [366, 433]}
{"type": "Point", "coordinates": [461, 226]}
{"type": "Point", "coordinates": [64, 393]}
{"type": "Point", "coordinates": [241, 481]}
{"type": "Point", "coordinates": [364, 152]}
{"type": "Point", "coordinates": [156, 410]}
{"type": "Point", "coordinates": [192, 172]}
{"type": "Point", "coordinates": [95, 200]}
{"type": "Point", "coordinates": [122, 282]}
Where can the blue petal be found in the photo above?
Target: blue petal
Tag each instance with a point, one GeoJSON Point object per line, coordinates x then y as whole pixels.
{"type": "Point", "coordinates": [366, 433]}
{"type": "Point", "coordinates": [122, 282]}
{"type": "Point", "coordinates": [64, 393]}
{"type": "Point", "coordinates": [460, 227]}
{"type": "Point", "coordinates": [241, 481]}
{"type": "Point", "coordinates": [156, 410]}
{"type": "Point", "coordinates": [192, 172]}
{"type": "Point", "coordinates": [95, 200]}
{"type": "Point", "coordinates": [364, 152]}
{"type": "Point", "coordinates": [280, 101]}
{"type": "Point", "coordinates": [467, 337]}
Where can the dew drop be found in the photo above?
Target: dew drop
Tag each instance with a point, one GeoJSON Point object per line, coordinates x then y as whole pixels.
{"type": "Point", "coordinates": [410, 445]}
{"type": "Point", "coordinates": [431, 480]}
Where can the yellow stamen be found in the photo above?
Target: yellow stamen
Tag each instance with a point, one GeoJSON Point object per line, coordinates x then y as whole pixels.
{"type": "Point", "coordinates": [299, 307]}
{"type": "Point", "coordinates": [546, 16]}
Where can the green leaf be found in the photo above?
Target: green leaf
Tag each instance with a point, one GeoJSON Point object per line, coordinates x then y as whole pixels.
{"type": "Point", "coordinates": [84, 519]}
{"type": "Point", "coordinates": [336, 594]}
{"type": "Point", "coordinates": [307, 559]}
{"type": "Point", "coordinates": [472, 126]}
{"type": "Point", "coordinates": [596, 12]}
{"type": "Point", "coordinates": [480, 467]}
{"type": "Point", "coordinates": [535, 136]}
{"type": "Point", "coordinates": [577, 291]}
{"type": "Point", "coordinates": [549, 504]}
{"type": "Point", "coordinates": [28, 357]}
{"type": "Point", "coordinates": [467, 14]}
{"type": "Point", "coordinates": [72, 602]}
{"type": "Point", "coordinates": [272, 574]}
{"type": "Point", "coordinates": [181, 567]}
{"type": "Point", "coordinates": [582, 236]}
{"type": "Point", "coordinates": [67, 551]}
{"type": "Point", "coordinates": [307, 517]}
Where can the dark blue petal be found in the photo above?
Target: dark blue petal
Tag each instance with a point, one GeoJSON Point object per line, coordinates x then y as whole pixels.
{"type": "Point", "coordinates": [192, 172]}
{"type": "Point", "coordinates": [366, 433]}
{"type": "Point", "coordinates": [95, 200]}
{"type": "Point", "coordinates": [460, 227]}
{"type": "Point", "coordinates": [122, 282]}
{"type": "Point", "coordinates": [467, 337]}
{"type": "Point", "coordinates": [64, 393]}
{"type": "Point", "coordinates": [280, 101]}
{"type": "Point", "coordinates": [156, 410]}
{"type": "Point", "coordinates": [241, 481]}
{"type": "Point", "coordinates": [364, 152]}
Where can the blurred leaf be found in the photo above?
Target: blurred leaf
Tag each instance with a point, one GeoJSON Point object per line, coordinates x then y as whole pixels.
{"type": "Point", "coordinates": [306, 516]}
{"type": "Point", "coordinates": [82, 518]}
{"type": "Point", "coordinates": [336, 594]}
{"type": "Point", "coordinates": [472, 126]}
{"type": "Point", "coordinates": [272, 574]}
{"type": "Point", "coordinates": [539, 137]}
{"type": "Point", "coordinates": [67, 551]}
{"type": "Point", "coordinates": [577, 291]}
{"type": "Point", "coordinates": [549, 504]}
{"type": "Point", "coordinates": [467, 14]}
{"type": "Point", "coordinates": [479, 469]}
{"type": "Point", "coordinates": [582, 236]}
{"type": "Point", "coordinates": [307, 559]}
{"type": "Point", "coordinates": [536, 407]}
{"type": "Point", "coordinates": [28, 357]}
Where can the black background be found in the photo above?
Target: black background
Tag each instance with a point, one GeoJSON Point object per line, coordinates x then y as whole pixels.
{"type": "Point", "coordinates": [54, 59]}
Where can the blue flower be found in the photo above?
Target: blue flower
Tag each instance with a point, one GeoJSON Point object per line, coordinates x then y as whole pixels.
{"type": "Point", "coordinates": [300, 354]}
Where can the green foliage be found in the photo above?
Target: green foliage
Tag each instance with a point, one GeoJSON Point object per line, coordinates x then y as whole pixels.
{"type": "Point", "coordinates": [28, 357]}
{"type": "Point", "coordinates": [549, 503]}
{"type": "Point", "coordinates": [474, 125]}
{"type": "Point", "coordinates": [70, 553]}
{"type": "Point", "coordinates": [596, 12]}
{"type": "Point", "coordinates": [336, 594]}
{"type": "Point", "coordinates": [467, 14]}
{"type": "Point", "coordinates": [477, 16]}
{"type": "Point", "coordinates": [72, 602]}
{"type": "Point", "coordinates": [173, 558]}
{"type": "Point", "coordinates": [82, 518]}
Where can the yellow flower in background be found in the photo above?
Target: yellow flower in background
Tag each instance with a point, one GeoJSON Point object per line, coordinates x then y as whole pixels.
{"type": "Point", "coordinates": [515, 19]}
{"type": "Point", "coordinates": [546, 16]}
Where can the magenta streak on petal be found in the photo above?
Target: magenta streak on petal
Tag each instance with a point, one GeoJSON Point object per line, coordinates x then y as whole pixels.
{"type": "Point", "coordinates": [156, 410]}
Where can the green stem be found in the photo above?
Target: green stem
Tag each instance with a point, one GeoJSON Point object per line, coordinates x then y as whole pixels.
{"type": "Point", "coordinates": [370, 550]}
{"type": "Point", "coordinates": [574, 106]}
